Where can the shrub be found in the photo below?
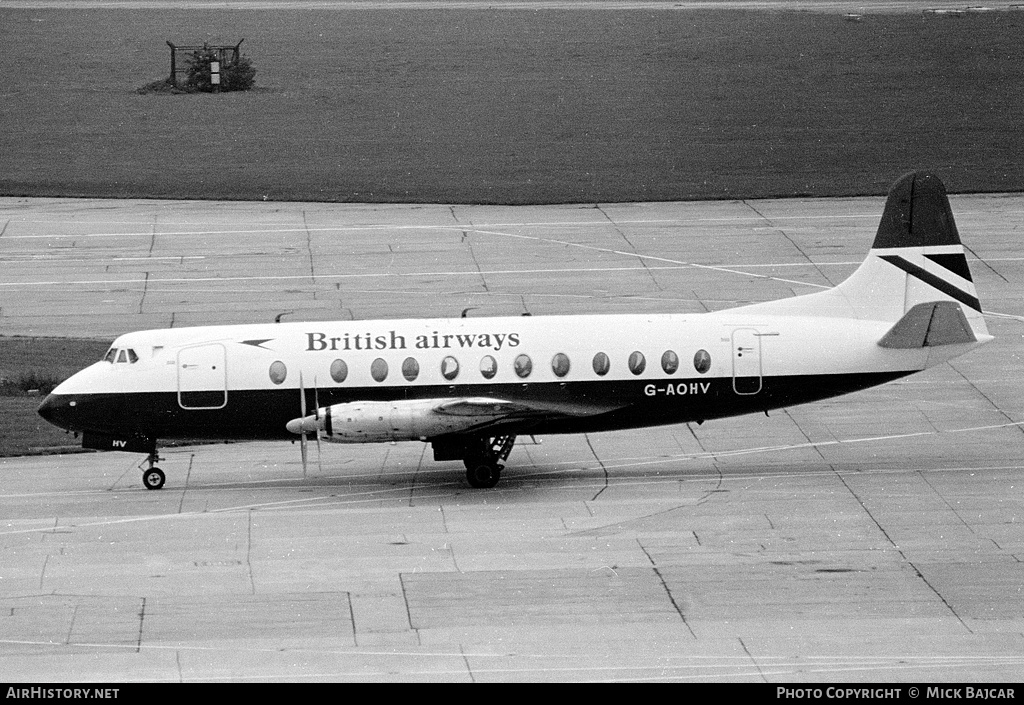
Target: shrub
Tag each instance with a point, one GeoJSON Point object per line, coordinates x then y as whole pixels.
{"type": "Point", "coordinates": [238, 77]}
{"type": "Point", "coordinates": [41, 383]}
{"type": "Point", "coordinates": [197, 78]}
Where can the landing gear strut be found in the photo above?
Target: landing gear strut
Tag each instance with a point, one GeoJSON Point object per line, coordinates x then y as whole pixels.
{"type": "Point", "coordinates": [153, 477]}
{"type": "Point", "coordinates": [483, 465]}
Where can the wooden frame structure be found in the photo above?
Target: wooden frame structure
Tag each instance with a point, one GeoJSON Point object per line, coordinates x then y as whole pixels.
{"type": "Point", "coordinates": [228, 56]}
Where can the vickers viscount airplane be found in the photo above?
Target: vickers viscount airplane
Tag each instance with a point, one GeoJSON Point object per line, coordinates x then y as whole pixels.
{"type": "Point", "coordinates": [469, 386]}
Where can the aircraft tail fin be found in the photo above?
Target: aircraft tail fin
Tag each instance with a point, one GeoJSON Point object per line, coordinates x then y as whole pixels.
{"type": "Point", "coordinates": [917, 258]}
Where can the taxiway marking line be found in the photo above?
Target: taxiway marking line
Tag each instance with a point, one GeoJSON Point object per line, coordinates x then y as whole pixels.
{"type": "Point", "coordinates": [871, 215]}
{"type": "Point", "coordinates": [455, 227]}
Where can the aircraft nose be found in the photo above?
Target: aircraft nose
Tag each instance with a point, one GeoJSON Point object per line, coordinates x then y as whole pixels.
{"type": "Point", "coordinates": [58, 410]}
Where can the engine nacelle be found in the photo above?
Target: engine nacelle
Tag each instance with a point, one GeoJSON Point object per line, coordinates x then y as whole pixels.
{"type": "Point", "coordinates": [381, 421]}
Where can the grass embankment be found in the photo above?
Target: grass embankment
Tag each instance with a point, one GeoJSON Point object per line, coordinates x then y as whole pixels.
{"type": "Point", "coordinates": [495, 106]}
{"type": "Point", "coordinates": [29, 369]}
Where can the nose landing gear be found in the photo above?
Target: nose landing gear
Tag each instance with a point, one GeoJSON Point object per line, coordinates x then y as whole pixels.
{"type": "Point", "coordinates": [153, 477]}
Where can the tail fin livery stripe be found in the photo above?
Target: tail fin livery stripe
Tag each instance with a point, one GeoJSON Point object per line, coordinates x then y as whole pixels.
{"type": "Point", "coordinates": [956, 263]}
{"type": "Point", "coordinates": [934, 281]}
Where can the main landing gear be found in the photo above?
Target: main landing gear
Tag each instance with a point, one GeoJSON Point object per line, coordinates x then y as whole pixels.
{"type": "Point", "coordinates": [153, 477]}
{"type": "Point", "coordinates": [481, 455]}
{"type": "Point", "coordinates": [483, 464]}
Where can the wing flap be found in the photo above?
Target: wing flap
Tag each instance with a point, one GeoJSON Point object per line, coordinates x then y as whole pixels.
{"type": "Point", "coordinates": [501, 408]}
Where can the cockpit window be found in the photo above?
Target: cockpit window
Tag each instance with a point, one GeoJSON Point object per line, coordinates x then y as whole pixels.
{"type": "Point", "coordinates": [120, 355]}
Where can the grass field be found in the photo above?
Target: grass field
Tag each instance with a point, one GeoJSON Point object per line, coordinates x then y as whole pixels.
{"type": "Point", "coordinates": [452, 105]}
{"type": "Point", "coordinates": [50, 359]}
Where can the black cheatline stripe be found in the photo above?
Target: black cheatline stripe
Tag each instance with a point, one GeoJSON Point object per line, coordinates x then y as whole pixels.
{"type": "Point", "coordinates": [932, 280]}
{"type": "Point", "coordinates": [264, 413]}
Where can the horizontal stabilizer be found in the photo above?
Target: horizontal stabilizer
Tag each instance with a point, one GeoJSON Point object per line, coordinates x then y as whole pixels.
{"type": "Point", "coordinates": [930, 324]}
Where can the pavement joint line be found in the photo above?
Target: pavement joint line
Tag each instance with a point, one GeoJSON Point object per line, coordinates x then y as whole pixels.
{"type": "Point", "coordinates": [752, 659]}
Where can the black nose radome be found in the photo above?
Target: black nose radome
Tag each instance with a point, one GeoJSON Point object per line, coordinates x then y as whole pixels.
{"type": "Point", "coordinates": [57, 410]}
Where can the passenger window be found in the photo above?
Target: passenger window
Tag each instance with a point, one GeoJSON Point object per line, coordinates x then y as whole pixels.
{"type": "Point", "coordinates": [602, 364]}
{"type": "Point", "coordinates": [637, 362]}
{"type": "Point", "coordinates": [488, 367]}
{"type": "Point", "coordinates": [379, 370]}
{"type": "Point", "coordinates": [560, 365]}
{"type": "Point", "coordinates": [278, 372]}
{"type": "Point", "coordinates": [410, 369]}
{"type": "Point", "coordinates": [339, 371]}
{"type": "Point", "coordinates": [702, 361]}
{"type": "Point", "coordinates": [670, 362]}
{"type": "Point", "coordinates": [523, 366]}
{"type": "Point", "coordinates": [449, 368]}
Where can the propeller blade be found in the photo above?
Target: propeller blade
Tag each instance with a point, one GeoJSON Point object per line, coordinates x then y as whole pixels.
{"type": "Point", "coordinates": [316, 412]}
{"type": "Point", "coordinates": [302, 409]}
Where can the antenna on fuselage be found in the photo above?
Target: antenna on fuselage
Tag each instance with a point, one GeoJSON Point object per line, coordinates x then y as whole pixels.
{"type": "Point", "coordinates": [277, 318]}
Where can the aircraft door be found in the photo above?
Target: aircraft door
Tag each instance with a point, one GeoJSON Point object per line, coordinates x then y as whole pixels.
{"type": "Point", "coordinates": [746, 361]}
{"type": "Point", "coordinates": [202, 377]}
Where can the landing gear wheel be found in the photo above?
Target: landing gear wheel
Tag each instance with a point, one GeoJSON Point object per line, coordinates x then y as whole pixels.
{"type": "Point", "coordinates": [482, 474]}
{"type": "Point", "coordinates": [153, 478]}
